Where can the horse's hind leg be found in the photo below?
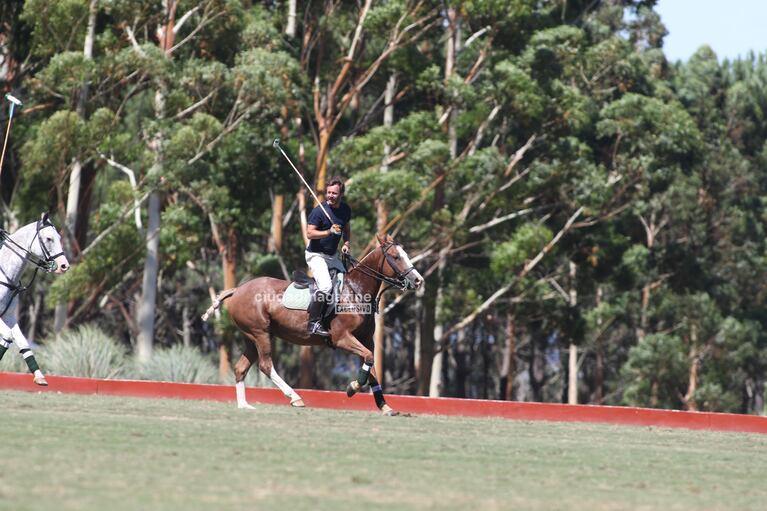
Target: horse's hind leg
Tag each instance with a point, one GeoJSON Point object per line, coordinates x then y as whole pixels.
{"type": "Point", "coordinates": [241, 369]}
{"type": "Point", "coordinates": [263, 343]}
{"type": "Point", "coordinates": [267, 367]}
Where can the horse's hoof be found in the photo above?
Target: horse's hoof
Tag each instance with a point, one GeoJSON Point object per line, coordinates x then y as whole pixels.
{"type": "Point", "coordinates": [245, 406]}
{"type": "Point", "coordinates": [352, 389]}
{"type": "Point", "coordinates": [298, 403]}
{"type": "Point", "coordinates": [40, 380]}
{"type": "Point", "coordinates": [388, 411]}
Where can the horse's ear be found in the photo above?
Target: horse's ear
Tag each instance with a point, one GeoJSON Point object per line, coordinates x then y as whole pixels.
{"type": "Point", "coordinates": [379, 239]}
{"type": "Point", "coordinates": [389, 238]}
{"type": "Point", "coordinates": [44, 217]}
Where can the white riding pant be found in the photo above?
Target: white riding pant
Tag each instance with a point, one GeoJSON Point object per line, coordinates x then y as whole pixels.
{"type": "Point", "coordinates": [319, 264]}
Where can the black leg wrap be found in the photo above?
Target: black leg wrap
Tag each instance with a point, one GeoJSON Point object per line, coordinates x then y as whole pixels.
{"type": "Point", "coordinates": [378, 395]}
{"type": "Point", "coordinates": [3, 347]}
{"type": "Point", "coordinates": [364, 374]}
{"type": "Point", "coordinates": [30, 360]}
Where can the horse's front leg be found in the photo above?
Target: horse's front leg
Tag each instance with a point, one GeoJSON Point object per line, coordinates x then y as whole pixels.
{"type": "Point", "coordinates": [349, 343]}
{"type": "Point", "coordinates": [375, 386]}
{"type": "Point", "coordinates": [14, 332]}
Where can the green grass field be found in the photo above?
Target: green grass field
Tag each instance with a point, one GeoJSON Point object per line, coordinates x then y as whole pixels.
{"type": "Point", "coordinates": [103, 453]}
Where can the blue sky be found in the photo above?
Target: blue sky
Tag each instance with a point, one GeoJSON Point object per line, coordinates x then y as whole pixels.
{"type": "Point", "coordinates": [730, 27]}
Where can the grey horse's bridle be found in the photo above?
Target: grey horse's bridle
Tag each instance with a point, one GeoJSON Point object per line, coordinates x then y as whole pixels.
{"type": "Point", "coordinates": [47, 262]}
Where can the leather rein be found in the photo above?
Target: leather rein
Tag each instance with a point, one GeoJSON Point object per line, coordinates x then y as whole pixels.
{"type": "Point", "coordinates": [47, 263]}
{"type": "Point", "coordinates": [399, 280]}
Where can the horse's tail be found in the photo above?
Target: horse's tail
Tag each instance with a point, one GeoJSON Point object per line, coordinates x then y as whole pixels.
{"type": "Point", "coordinates": [223, 295]}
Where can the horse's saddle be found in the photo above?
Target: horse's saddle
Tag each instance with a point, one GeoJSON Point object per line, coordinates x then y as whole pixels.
{"type": "Point", "coordinates": [299, 293]}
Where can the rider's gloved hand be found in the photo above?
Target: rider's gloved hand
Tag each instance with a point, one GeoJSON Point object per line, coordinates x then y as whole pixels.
{"type": "Point", "coordinates": [336, 229]}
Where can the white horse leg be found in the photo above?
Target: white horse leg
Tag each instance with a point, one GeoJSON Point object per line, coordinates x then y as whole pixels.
{"type": "Point", "coordinates": [242, 402]}
{"type": "Point", "coordinates": [4, 345]}
{"type": "Point", "coordinates": [5, 338]}
{"type": "Point", "coordinates": [295, 399]}
{"type": "Point", "coordinates": [29, 357]}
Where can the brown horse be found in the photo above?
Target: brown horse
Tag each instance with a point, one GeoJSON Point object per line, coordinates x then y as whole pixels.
{"type": "Point", "coordinates": [257, 310]}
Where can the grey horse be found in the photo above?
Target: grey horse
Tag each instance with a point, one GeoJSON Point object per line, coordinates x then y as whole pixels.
{"type": "Point", "coordinates": [38, 243]}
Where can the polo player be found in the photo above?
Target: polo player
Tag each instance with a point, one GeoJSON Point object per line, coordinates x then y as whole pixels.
{"type": "Point", "coordinates": [321, 254]}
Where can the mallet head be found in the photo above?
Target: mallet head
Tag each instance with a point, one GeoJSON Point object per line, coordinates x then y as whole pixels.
{"type": "Point", "coordinates": [16, 101]}
{"type": "Point", "coordinates": [276, 143]}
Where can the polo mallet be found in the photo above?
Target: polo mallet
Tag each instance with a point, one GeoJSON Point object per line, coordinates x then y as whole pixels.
{"type": "Point", "coordinates": [14, 103]}
{"type": "Point", "coordinates": [276, 144]}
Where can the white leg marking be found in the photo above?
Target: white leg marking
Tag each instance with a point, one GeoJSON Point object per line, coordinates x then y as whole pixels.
{"type": "Point", "coordinates": [18, 337]}
{"type": "Point", "coordinates": [286, 389]}
{"type": "Point", "coordinates": [39, 379]}
{"type": "Point", "coordinates": [5, 330]}
{"type": "Point", "coordinates": [241, 401]}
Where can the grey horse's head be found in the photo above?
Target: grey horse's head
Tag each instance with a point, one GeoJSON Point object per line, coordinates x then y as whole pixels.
{"type": "Point", "coordinates": [48, 246]}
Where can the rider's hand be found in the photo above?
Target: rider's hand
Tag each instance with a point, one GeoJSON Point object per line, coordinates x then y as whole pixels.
{"type": "Point", "coordinates": [336, 229]}
{"type": "Point", "coordinates": [345, 248]}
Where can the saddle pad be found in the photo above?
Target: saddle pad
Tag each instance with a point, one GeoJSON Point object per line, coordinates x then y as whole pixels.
{"type": "Point", "coordinates": [298, 299]}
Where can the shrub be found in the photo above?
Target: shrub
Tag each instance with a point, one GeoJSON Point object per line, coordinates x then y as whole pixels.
{"type": "Point", "coordinates": [87, 352]}
{"type": "Point", "coordinates": [178, 364]}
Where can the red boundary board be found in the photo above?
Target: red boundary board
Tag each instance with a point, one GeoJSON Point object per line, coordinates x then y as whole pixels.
{"type": "Point", "coordinates": [408, 404]}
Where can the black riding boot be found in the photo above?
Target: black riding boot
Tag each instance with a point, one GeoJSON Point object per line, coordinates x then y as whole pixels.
{"type": "Point", "coordinates": [317, 308]}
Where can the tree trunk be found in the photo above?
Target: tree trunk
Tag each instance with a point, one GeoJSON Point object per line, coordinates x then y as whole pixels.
{"type": "Point", "coordinates": [146, 311]}
{"type": "Point", "coordinates": [417, 312]}
{"type": "Point", "coordinates": [278, 209]}
{"type": "Point", "coordinates": [379, 337]}
{"type": "Point", "coordinates": [73, 195]}
{"type": "Point", "coordinates": [306, 356]}
{"type": "Point", "coordinates": [651, 233]}
{"type": "Point", "coordinates": [436, 293]}
{"type": "Point", "coordinates": [461, 357]}
{"type": "Point", "coordinates": [758, 407]}
{"type": "Point", "coordinates": [509, 367]}
{"type": "Point", "coordinates": [537, 367]}
{"type": "Point", "coordinates": [436, 384]}
{"type": "Point", "coordinates": [34, 314]}
{"type": "Point", "coordinates": [642, 330]}
{"type": "Point", "coordinates": [427, 328]}
{"type": "Point", "coordinates": [186, 325]}
{"type": "Point", "coordinates": [290, 28]}
{"type": "Point", "coordinates": [572, 373]}
{"type": "Point", "coordinates": [599, 371]}
{"type": "Point", "coordinates": [230, 281]}
{"type": "Point", "coordinates": [278, 203]}
{"type": "Point", "coordinates": [692, 380]}
{"type": "Point", "coordinates": [381, 221]}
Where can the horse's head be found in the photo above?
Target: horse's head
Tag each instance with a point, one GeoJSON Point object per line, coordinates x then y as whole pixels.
{"type": "Point", "coordinates": [399, 266]}
{"type": "Point", "coordinates": [48, 246]}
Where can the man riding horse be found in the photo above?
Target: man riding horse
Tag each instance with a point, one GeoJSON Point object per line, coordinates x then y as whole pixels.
{"type": "Point", "coordinates": [259, 316]}
{"type": "Point", "coordinates": [327, 223]}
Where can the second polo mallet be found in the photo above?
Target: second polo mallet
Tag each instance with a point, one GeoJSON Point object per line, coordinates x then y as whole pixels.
{"type": "Point", "coordinates": [14, 103]}
{"type": "Point", "coordinates": [276, 144]}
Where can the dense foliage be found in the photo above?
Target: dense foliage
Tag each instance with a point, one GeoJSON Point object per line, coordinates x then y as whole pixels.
{"type": "Point", "coordinates": [589, 217]}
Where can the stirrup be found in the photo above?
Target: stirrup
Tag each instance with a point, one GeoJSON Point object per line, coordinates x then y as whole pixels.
{"type": "Point", "coordinates": [316, 328]}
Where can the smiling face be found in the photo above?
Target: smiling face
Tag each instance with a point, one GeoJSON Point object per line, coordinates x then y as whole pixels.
{"type": "Point", "coordinates": [51, 240]}
{"type": "Point", "coordinates": [333, 194]}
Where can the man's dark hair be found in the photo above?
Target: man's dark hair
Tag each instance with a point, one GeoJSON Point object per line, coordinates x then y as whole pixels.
{"type": "Point", "coordinates": [337, 180]}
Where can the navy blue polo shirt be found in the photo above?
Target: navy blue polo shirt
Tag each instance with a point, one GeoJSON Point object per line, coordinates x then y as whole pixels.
{"type": "Point", "coordinates": [340, 215]}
